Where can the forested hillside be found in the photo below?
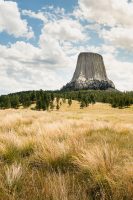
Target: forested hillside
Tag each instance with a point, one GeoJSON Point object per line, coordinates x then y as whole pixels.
{"type": "Point", "coordinates": [45, 100]}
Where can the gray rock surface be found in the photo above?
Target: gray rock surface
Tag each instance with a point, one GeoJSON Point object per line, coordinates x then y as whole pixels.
{"type": "Point", "coordinates": [90, 73]}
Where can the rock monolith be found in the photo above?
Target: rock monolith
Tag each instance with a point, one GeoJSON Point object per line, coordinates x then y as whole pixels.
{"type": "Point", "coordinates": [90, 74]}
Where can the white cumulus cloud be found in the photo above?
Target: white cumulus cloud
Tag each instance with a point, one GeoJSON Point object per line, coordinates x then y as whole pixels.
{"type": "Point", "coordinates": [11, 21]}
{"type": "Point", "coordinates": [116, 15]}
{"type": "Point", "coordinates": [65, 29]}
{"type": "Point", "coordinates": [119, 37]}
{"type": "Point", "coordinates": [37, 15]}
{"type": "Point", "coordinates": [110, 12]}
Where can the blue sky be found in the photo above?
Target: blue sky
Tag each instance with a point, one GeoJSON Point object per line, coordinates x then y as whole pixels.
{"type": "Point", "coordinates": [37, 5]}
{"type": "Point", "coordinates": [40, 41]}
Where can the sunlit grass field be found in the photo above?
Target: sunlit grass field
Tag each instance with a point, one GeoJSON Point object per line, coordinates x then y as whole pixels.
{"type": "Point", "coordinates": [70, 154]}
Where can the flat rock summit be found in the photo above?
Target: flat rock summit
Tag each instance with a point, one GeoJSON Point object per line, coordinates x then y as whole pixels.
{"type": "Point", "coordinates": [90, 74]}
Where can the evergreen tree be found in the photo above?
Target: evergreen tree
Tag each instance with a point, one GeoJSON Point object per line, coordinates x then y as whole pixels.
{"type": "Point", "coordinates": [114, 103]}
{"type": "Point", "coordinates": [64, 100]}
{"type": "Point", "coordinates": [14, 101]}
{"type": "Point", "coordinates": [120, 103]}
{"type": "Point", "coordinates": [42, 100]}
{"type": "Point", "coordinates": [52, 96]}
{"type": "Point", "coordinates": [46, 99]}
{"type": "Point", "coordinates": [52, 105]}
{"type": "Point", "coordinates": [104, 99]}
{"type": "Point", "coordinates": [82, 104]}
{"type": "Point", "coordinates": [69, 101]}
{"type": "Point", "coordinates": [26, 102]}
{"type": "Point", "coordinates": [57, 107]}
{"type": "Point", "coordinates": [5, 102]}
{"type": "Point", "coordinates": [86, 101]}
{"type": "Point", "coordinates": [79, 96]}
{"type": "Point", "coordinates": [38, 104]}
{"type": "Point", "coordinates": [38, 101]}
{"type": "Point", "coordinates": [92, 99]}
{"type": "Point", "coordinates": [33, 96]}
{"type": "Point", "coordinates": [57, 99]}
{"type": "Point", "coordinates": [127, 102]}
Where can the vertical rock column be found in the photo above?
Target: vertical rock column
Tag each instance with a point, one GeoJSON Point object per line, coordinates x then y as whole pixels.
{"type": "Point", "coordinates": [90, 73]}
{"type": "Point", "coordinates": [90, 66]}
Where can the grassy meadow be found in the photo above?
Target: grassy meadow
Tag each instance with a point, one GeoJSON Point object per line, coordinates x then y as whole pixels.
{"type": "Point", "coordinates": [70, 154]}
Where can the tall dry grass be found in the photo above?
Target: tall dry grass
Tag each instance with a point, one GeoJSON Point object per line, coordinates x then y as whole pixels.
{"type": "Point", "coordinates": [66, 155]}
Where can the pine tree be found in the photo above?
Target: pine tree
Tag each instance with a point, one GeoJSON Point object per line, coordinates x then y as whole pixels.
{"type": "Point", "coordinates": [114, 103]}
{"type": "Point", "coordinates": [26, 102]}
{"type": "Point", "coordinates": [127, 102]}
{"type": "Point", "coordinates": [64, 100]}
{"type": "Point", "coordinates": [44, 105]}
{"type": "Point", "coordinates": [92, 98]}
{"type": "Point", "coordinates": [38, 104]}
{"type": "Point", "coordinates": [86, 101]}
{"type": "Point", "coordinates": [38, 101]}
{"type": "Point", "coordinates": [33, 96]}
{"type": "Point", "coordinates": [82, 104]}
{"type": "Point", "coordinates": [52, 96]}
{"type": "Point", "coordinates": [14, 101]}
{"type": "Point", "coordinates": [57, 99]}
{"type": "Point", "coordinates": [5, 102]}
{"type": "Point", "coordinates": [45, 101]}
{"type": "Point", "coordinates": [57, 107]}
{"type": "Point", "coordinates": [104, 99]}
{"type": "Point", "coordinates": [121, 105]}
{"type": "Point", "coordinates": [52, 105]}
{"type": "Point", "coordinates": [79, 96]}
{"type": "Point", "coordinates": [69, 101]}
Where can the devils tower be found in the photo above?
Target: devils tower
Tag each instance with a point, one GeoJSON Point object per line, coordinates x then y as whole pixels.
{"type": "Point", "coordinates": [90, 74]}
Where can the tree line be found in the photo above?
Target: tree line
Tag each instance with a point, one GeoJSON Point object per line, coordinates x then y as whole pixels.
{"type": "Point", "coordinates": [50, 100]}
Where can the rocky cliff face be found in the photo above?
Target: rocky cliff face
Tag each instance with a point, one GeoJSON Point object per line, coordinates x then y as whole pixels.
{"type": "Point", "coordinates": [90, 73]}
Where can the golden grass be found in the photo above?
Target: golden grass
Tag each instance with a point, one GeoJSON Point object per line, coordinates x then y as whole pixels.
{"type": "Point", "coordinates": [70, 154]}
